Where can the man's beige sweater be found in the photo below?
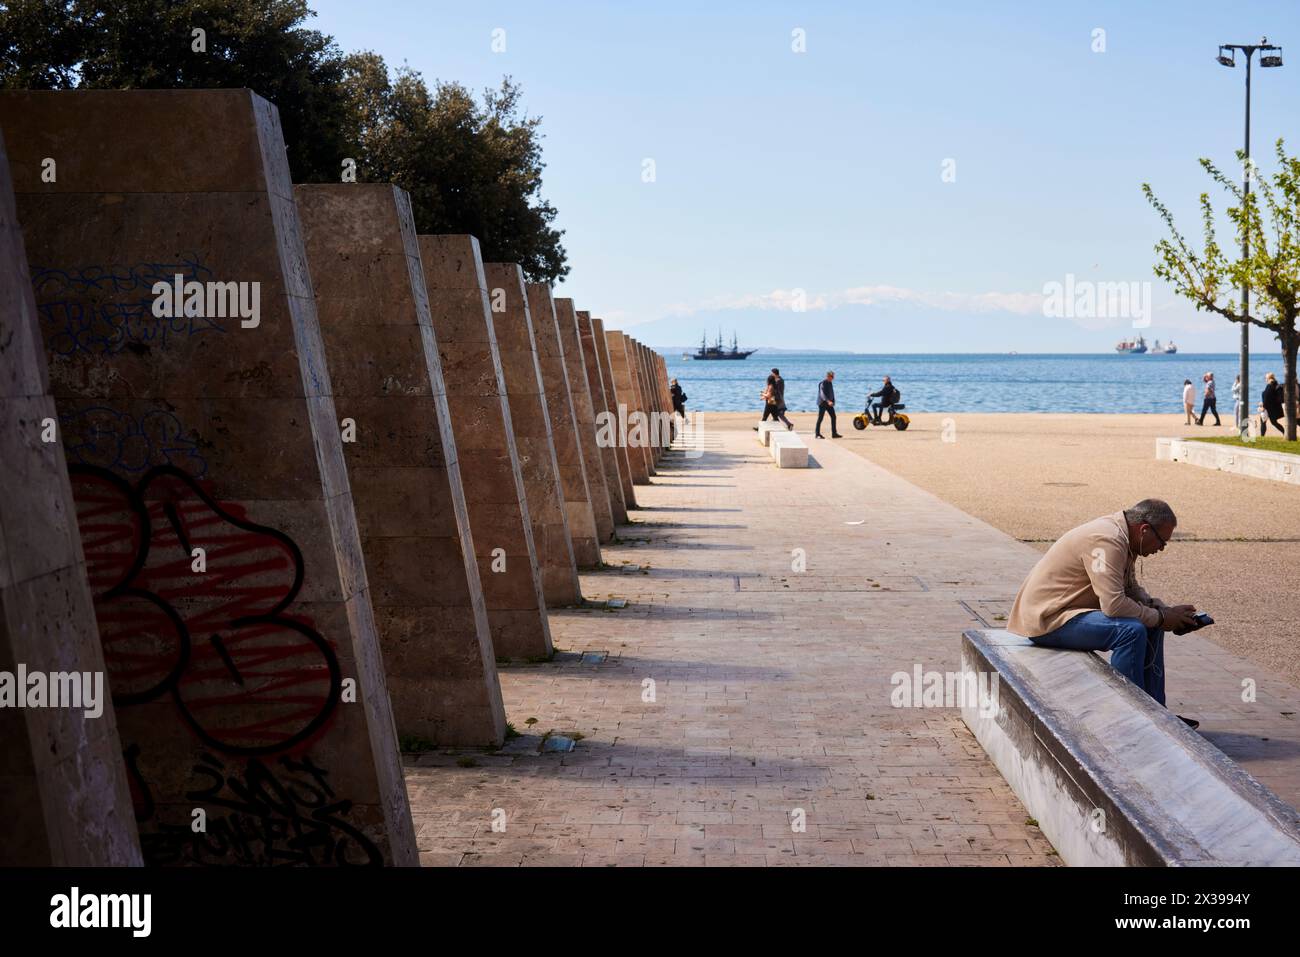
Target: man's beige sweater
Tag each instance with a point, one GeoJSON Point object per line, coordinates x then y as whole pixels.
{"type": "Point", "coordinates": [1089, 568]}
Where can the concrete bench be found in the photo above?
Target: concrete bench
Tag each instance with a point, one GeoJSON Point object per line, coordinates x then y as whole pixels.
{"type": "Point", "coordinates": [788, 450]}
{"type": "Point", "coordinates": [1111, 777]}
{"type": "Point", "coordinates": [765, 430]}
{"type": "Point", "coordinates": [1257, 463]}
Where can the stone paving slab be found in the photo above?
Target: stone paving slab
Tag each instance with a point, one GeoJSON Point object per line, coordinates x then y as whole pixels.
{"type": "Point", "coordinates": [724, 713]}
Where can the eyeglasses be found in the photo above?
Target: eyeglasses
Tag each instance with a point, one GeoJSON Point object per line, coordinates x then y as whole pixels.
{"type": "Point", "coordinates": [1157, 535]}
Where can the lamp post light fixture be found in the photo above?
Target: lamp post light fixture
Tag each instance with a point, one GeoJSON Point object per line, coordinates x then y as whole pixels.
{"type": "Point", "coordinates": [1269, 56]}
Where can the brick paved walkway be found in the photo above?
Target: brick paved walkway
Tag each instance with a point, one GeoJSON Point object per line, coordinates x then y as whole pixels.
{"type": "Point", "coordinates": [770, 687]}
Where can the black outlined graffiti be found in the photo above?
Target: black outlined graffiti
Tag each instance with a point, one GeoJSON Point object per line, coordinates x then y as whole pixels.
{"type": "Point", "coordinates": [269, 681]}
{"type": "Point", "coordinates": [263, 816]}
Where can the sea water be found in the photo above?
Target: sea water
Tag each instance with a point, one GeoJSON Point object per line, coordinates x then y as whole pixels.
{"type": "Point", "coordinates": [972, 383]}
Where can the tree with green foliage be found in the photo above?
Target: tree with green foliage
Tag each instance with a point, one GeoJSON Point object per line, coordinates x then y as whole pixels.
{"type": "Point", "coordinates": [1210, 279]}
{"type": "Point", "coordinates": [469, 168]}
{"type": "Point", "coordinates": [150, 44]}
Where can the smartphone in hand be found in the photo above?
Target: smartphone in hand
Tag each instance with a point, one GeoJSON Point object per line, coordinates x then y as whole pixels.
{"type": "Point", "coordinates": [1200, 619]}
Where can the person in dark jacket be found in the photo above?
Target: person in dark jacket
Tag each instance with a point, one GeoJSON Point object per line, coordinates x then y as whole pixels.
{"type": "Point", "coordinates": [888, 396]}
{"type": "Point", "coordinates": [769, 406]}
{"type": "Point", "coordinates": [778, 399]}
{"type": "Point", "coordinates": [825, 404]}
{"type": "Point", "coordinates": [679, 399]}
{"type": "Point", "coordinates": [1272, 402]}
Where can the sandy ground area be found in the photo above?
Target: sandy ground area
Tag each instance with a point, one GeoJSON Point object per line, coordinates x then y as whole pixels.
{"type": "Point", "coordinates": [1235, 554]}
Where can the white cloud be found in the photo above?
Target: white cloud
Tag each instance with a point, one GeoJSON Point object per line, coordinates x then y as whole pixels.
{"type": "Point", "coordinates": [1017, 302]}
{"type": "Point", "coordinates": [785, 299]}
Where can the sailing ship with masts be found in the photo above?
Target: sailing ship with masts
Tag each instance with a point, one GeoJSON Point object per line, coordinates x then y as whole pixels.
{"type": "Point", "coordinates": [718, 352]}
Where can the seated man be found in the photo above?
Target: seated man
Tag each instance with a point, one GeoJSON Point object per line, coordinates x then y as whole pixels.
{"type": "Point", "coordinates": [1083, 595]}
{"type": "Point", "coordinates": [888, 396]}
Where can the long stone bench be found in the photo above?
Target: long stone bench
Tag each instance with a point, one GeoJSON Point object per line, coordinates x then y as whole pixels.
{"type": "Point", "coordinates": [788, 450]}
{"type": "Point", "coordinates": [1111, 777]}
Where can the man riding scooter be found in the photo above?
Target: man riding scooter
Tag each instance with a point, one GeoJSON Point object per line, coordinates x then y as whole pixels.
{"type": "Point", "coordinates": [888, 396]}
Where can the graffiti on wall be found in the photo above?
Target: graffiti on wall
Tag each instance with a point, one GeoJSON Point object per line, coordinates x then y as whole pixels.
{"type": "Point", "coordinates": [104, 310]}
{"type": "Point", "coordinates": [254, 683]}
{"type": "Point", "coordinates": [246, 676]}
{"type": "Point", "coordinates": [122, 442]}
{"type": "Point", "coordinates": [274, 815]}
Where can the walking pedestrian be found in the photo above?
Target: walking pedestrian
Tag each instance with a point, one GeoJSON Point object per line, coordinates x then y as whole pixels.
{"type": "Point", "coordinates": [1209, 403]}
{"type": "Point", "coordinates": [679, 399]}
{"type": "Point", "coordinates": [1189, 400]}
{"type": "Point", "coordinates": [778, 399]}
{"type": "Point", "coordinates": [825, 404]}
{"type": "Point", "coordinates": [769, 407]}
{"type": "Point", "coordinates": [1238, 408]}
{"type": "Point", "coordinates": [1272, 403]}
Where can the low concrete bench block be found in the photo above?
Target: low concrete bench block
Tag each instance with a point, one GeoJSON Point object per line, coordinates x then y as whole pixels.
{"type": "Point", "coordinates": [789, 451]}
{"type": "Point", "coordinates": [792, 457]}
{"type": "Point", "coordinates": [1255, 463]}
{"type": "Point", "coordinates": [765, 430]}
{"type": "Point", "coordinates": [1112, 778]}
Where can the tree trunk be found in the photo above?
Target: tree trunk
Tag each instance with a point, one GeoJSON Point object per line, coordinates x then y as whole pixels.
{"type": "Point", "coordinates": [1289, 344]}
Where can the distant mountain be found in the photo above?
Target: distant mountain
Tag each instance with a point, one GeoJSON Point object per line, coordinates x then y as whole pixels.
{"type": "Point", "coordinates": [757, 350]}
{"type": "Point", "coordinates": [895, 327]}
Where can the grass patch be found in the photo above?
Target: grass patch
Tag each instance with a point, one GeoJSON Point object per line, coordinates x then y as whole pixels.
{"type": "Point", "coordinates": [511, 732]}
{"type": "Point", "coordinates": [1263, 444]}
{"type": "Point", "coordinates": [467, 762]}
{"type": "Point", "coordinates": [413, 742]}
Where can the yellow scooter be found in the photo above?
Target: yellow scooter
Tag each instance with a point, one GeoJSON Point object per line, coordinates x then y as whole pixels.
{"type": "Point", "coordinates": [896, 417]}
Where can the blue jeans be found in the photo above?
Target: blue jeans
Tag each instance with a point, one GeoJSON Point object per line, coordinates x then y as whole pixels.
{"type": "Point", "coordinates": [1137, 652]}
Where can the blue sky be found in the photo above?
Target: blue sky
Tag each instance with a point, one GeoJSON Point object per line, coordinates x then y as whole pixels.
{"type": "Point", "coordinates": [820, 171]}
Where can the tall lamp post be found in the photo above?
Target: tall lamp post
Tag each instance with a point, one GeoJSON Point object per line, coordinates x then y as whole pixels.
{"type": "Point", "coordinates": [1269, 56]}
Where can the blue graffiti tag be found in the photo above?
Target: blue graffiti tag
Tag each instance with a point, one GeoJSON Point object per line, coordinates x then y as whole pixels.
{"type": "Point", "coordinates": [102, 310]}
{"type": "Point", "coordinates": [120, 442]}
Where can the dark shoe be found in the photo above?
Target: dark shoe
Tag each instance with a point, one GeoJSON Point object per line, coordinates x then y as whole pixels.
{"type": "Point", "coordinates": [789, 426]}
{"type": "Point", "coordinates": [836, 435]}
{"type": "Point", "coordinates": [1190, 722]}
